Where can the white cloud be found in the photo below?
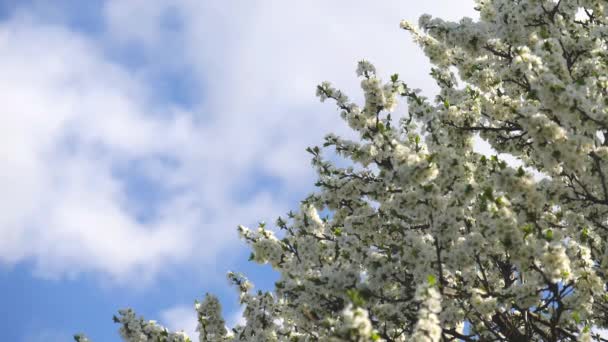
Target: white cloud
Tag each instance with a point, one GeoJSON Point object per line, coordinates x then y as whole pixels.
{"type": "Point", "coordinates": [75, 122]}
{"type": "Point", "coordinates": [261, 62]}
{"type": "Point", "coordinates": [181, 318]}
{"type": "Point", "coordinates": [70, 120]}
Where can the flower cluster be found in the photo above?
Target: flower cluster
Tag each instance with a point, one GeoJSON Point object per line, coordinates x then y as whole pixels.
{"type": "Point", "coordinates": [428, 327]}
{"type": "Point", "coordinates": [136, 329]}
{"type": "Point", "coordinates": [211, 325]}
{"type": "Point", "coordinates": [356, 325]}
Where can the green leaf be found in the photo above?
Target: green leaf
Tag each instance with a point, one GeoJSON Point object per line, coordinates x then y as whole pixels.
{"type": "Point", "coordinates": [394, 77]}
{"type": "Point", "coordinates": [576, 317]}
{"type": "Point", "coordinates": [468, 189]}
{"type": "Point", "coordinates": [544, 32]}
{"type": "Point", "coordinates": [549, 235]}
{"type": "Point", "coordinates": [500, 201]}
{"type": "Point", "coordinates": [556, 154]}
{"type": "Point", "coordinates": [488, 193]}
{"type": "Point", "coordinates": [527, 229]}
{"type": "Point", "coordinates": [431, 279]}
{"type": "Point", "coordinates": [355, 297]}
{"type": "Point", "coordinates": [585, 234]}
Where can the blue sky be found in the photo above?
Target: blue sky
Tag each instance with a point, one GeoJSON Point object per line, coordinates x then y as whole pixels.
{"type": "Point", "coordinates": [137, 134]}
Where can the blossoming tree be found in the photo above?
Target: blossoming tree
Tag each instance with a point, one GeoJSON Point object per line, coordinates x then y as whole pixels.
{"type": "Point", "coordinates": [428, 240]}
